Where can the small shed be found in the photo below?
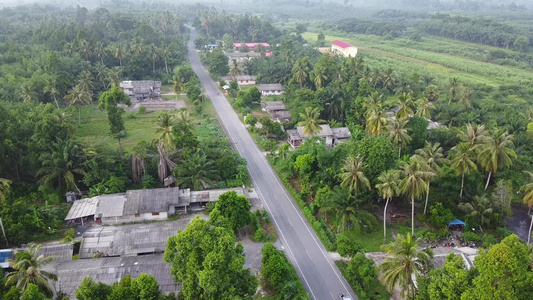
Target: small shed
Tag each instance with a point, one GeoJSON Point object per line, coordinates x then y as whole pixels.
{"type": "Point", "coordinates": [456, 224]}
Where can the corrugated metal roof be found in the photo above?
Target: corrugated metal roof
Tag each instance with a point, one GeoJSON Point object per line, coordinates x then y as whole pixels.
{"type": "Point", "coordinates": [342, 44]}
{"type": "Point", "coordinates": [273, 105]}
{"type": "Point", "coordinates": [153, 200]}
{"type": "Point", "coordinates": [324, 132]}
{"type": "Point", "coordinates": [212, 195]}
{"type": "Point", "coordinates": [111, 205]}
{"type": "Point", "coordinates": [82, 208]}
{"type": "Point", "coordinates": [271, 87]}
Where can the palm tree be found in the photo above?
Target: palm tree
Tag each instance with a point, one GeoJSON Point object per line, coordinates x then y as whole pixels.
{"type": "Point", "coordinates": [452, 89]}
{"type": "Point", "coordinates": [165, 123]}
{"type": "Point", "coordinates": [28, 95]}
{"type": "Point", "coordinates": [137, 46]}
{"type": "Point", "coordinates": [5, 186]}
{"type": "Point", "coordinates": [405, 262]}
{"type": "Point", "coordinates": [154, 56]}
{"type": "Point", "coordinates": [405, 102]}
{"type": "Point", "coordinates": [60, 165]}
{"type": "Point", "coordinates": [346, 210]}
{"type": "Point", "coordinates": [197, 172]}
{"type": "Point", "coordinates": [235, 69]}
{"type": "Point", "coordinates": [388, 189]}
{"type": "Point", "coordinates": [319, 74]}
{"type": "Point", "coordinates": [85, 49]}
{"type": "Point", "coordinates": [432, 93]}
{"type": "Point", "coordinates": [527, 190]}
{"type": "Point", "coordinates": [310, 121]}
{"type": "Point", "coordinates": [352, 175]}
{"type": "Point", "coordinates": [462, 162]}
{"type": "Point", "coordinates": [403, 88]}
{"type": "Point", "coordinates": [480, 209]}
{"type": "Point", "coordinates": [397, 134]}
{"type": "Point", "coordinates": [86, 82]}
{"type": "Point", "coordinates": [119, 53]}
{"type": "Point", "coordinates": [374, 101]}
{"type": "Point", "coordinates": [77, 96]}
{"type": "Point", "coordinates": [388, 78]}
{"type": "Point", "coordinates": [177, 85]}
{"type": "Point", "coordinates": [376, 119]}
{"type": "Point", "coordinates": [165, 54]}
{"type": "Point", "coordinates": [473, 135]}
{"type": "Point", "coordinates": [115, 75]}
{"type": "Point", "coordinates": [29, 269]}
{"type": "Point", "coordinates": [100, 51]}
{"type": "Point", "coordinates": [424, 108]}
{"type": "Point", "coordinates": [301, 70]}
{"type": "Point", "coordinates": [50, 88]}
{"type": "Point", "coordinates": [417, 173]}
{"type": "Point", "coordinates": [101, 74]}
{"type": "Point", "coordinates": [183, 117]}
{"type": "Point", "coordinates": [466, 94]}
{"type": "Point", "coordinates": [495, 153]}
{"type": "Point", "coordinates": [433, 155]}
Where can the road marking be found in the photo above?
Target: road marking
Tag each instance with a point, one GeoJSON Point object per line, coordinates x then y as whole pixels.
{"type": "Point", "coordinates": [308, 254]}
{"type": "Point", "coordinates": [333, 297]}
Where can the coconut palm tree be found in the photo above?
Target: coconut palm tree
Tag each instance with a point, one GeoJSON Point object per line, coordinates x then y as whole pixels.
{"type": "Point", "coordinates": [101, 74]}
{"type": "Point", "coordinates": [86, 82]}
{"type": "Point", "coordinates": [414, 184]}
{"type": "Point", "coordinates": [137, 47]}
{"type": "Point", "coordinates": [434, 158]}
{"type": "Point", "coordinates": [28, 267]}
{"type": "Point", "coordinates": [235, 69]}
{"type": "Point", "coordinates": [397, 134]}
{"type": "Point", "coordinates": [403, 88]}
{"type": "Point", "coordinates": [424, 108]}
{"type": "Point", "coordinates": [5, 186]}
{"type": "Point", "coordinates": [319, 74]}
{"type": "Point", "coordinates": [352, 175]}
{"type": "Point", "coordinates": [376, 120]}
{"type": "Point", "coordinates": [51, 88]}
{"type": "Point", "coordinates": [301, 70]}
{"type": "Point", "coordinates": [153, 53]}
{"type": "Point", "coordinates": [114, 76]}
{"type": "Point", "coordinates": [165, 123]}
{"type": "Point", "coordinates": [405, 262]}
{"type": "Point", "coordinates": [177, 85]}
{"type": "Point", "coordinates": [527, 190]}
{"type": "Point", "coordinates": [452, 89]}
{"type": "Point", "coordinates": [61, 165]}
{"type": "Point", "coordinates": [85, 48]}
{"type": "Point", "coordinates": [405, 102]}
{"type": "Point", "coordinates": [462, 162]}
{"type": "Point", "coordinates": [183, 117]}
{"type": "Point", "coordinates": [473, 135]}
{"type": "Point", "coordinates": [345, 208]}
{"type": "Point", "coordinates": [466, 95]}
{"type": "Point", "coordinates": [196, 172]}
{"type": "Point", "coordinates": [310, 121]}
{"type": "Point", "coordinates": [432, 93]}
{"type": "Point", "coordinates": [165, 54]}
{"type": "Point", "coordinates": [77, 96]}
{"type": "Point", "coordinates": [495, 153]}
{"type": "Point", "coordinates": [480, 208]}
{"type": "Point", "coordinates": [389, 80]}
{"type": "Point", "coordinates": [28, 95]}
{"type": "Point", "coordinates": [119, 53]}
{"type": "Point", "coordinates": [388, 188]}
{"type": "Point", "coordinates": [100, 51]}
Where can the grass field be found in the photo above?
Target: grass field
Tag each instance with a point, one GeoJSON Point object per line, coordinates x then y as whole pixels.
{"type": "Point", "coordinates": [371, 241]}
{"type": "Point", "coordinates": [439, 58]}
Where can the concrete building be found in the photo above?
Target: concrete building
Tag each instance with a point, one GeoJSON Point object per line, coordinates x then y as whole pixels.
{"type": "Point", "coordinates": [333, 136]}
{"type": "Point", "coordinates": [277, 110]}
{"type": "Point", "coordinates": [273, 89]}
{"type": "Point", "coordinates": [140, 90]}
{"type": "Point", "coordinates": [141, 205]}
{"type": "Point", "coordinates": [242, 79]}
{"type": "Point", "coordinates": [250, 46]}
{"type": "Point", "coordinates": [343, 48]}
{"type": "Point", "coordinates": [241, 57]}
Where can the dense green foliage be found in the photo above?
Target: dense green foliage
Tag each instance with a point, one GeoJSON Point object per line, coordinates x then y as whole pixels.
{"type": "Point", "coordinates": [279, 276]}
{"type": "Point", "coordinates": [231, 210]}
{"type": "Point", "coordinates": [362, 276]}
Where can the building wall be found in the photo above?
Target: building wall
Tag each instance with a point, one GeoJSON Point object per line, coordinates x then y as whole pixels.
{"type": "Point", "coordinates": [271, 93]}
{"type": "Point", "coordinates": [246, 82]}
{"type": "Point", "coordinates": [346, 52]}
{"type": "Point", "coordinates": [135, 218]}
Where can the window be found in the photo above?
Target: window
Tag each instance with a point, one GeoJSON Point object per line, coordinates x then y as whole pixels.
{"type": "Point", "coordinates": [137, 215]}
{"type": "Point", "coordinates": [155, 214]}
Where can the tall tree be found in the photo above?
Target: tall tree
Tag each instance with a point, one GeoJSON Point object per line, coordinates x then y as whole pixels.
{"type": "Point", "coordinates": [434, 158]}
{"type": "Point", "coordinates": [29, 269]}
{"type": "Point", "coordinates": [479, 209]}
{"type": "Point", "coordinates": [137, 47]}
{"type": "Point", "coordinates": [352, 175]}
{"type": "Point", "coordinates": [77, 96]}
{"type": "Point", "coordinates": [177, 85]}
{"type": "Point", "coordinates": [527, 190]}
{"type": "Point", "coordinates": [165, 54]}
{"type": "Point", "coordinates": [85, 48]}
{"type": "Point", "coordinates": [388, 188]}
{"type": "Point", "coordinates": [466, 95]}
{"type": "Point", "coordinates": [119, 53]}
{"type": "Point", "coordinates": [86, 82]}
{"type": "Point", "coordinates": [209, 263]}
{"type": "Point", "coordinates": [196, 172]}
{"type": "Point", "coordinates": [405, 262]}
{"type": "Point", "coordinates": [232, 209]}
{"type": "Point", "coordinates": [61, 164]}
{"type": "Point", "coordinates": [495, 153]}
{"type": "Point", "coordinates": [405, 102]}
{"type": "Point", "coordinates": [346, 209]}
{"type": "Point", "coordinates": [109, 101]}
{"type": "Point", "coordinates": [414, 184]}
{"type": "Point", "coordinates": [5, 187]}
{"type": "Point", "coordinates": [424, 108]}
{"type": "Point", "coordinates": [153, 53]}
{"type": "Point", "coordinates": [165, 123]}
{"type": "Point", "coordinates": [235, 69]}
{"type": "Point", "coordinates": [300, 71]}
{"type": "Point", "coordinates": [397, 134]}
{"type": "Point", "coordinates": [310, 121]}
{"type": "Point", "coordinates": [100, 51]}
{"type": "Point", "coordinates": [319, 75]}
{"type": "Point", "coordinates": [452, 89]}
{"type": "Point", "coordinates": [473, 136]}
{"type": "Point", "coordinates": [462, 162]}
{"type": "Point", "coordinates": [51, 88]}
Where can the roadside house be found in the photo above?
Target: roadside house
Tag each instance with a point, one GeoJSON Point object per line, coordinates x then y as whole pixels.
{"type": "Point", "coordinates": [343, 48]}
{"type": "Point", "coordinates": [277, 110]}
{"type": "Point", "coordinates": [251, 46]}
{"type": "Point", "coordinates": [273, 89]}
{"type": "Point", "coordinates": [333, 136]}
{"type": "Point", "coordinates": [242, 79]}
{"type": "Point", "coordinates": [140, 90]}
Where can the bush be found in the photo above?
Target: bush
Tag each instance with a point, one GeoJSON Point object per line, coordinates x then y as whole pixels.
{"type": "Point", "coordinates": [428, 236]}
{"type": "Point", "coordinates": [470, 236]}
{"type": "Point", "coordinates": [69, 236]}
{"type": "Point", "coordinates": [361, 274]}
{"type": "Point", "coordinates": [503, 232]}
{"type": "Point", "coordinates": [489, 240]}
{"type": "Point", "coordinates": [131, 116]}
{"type": "Point", "coordinates": [142, 109]}
{"type": "Point", "coordinates": [234, 182]}
{"type": "Point", "coordinates": [75, 257]}
{"type": "Point", "coordinates": [348, 247]}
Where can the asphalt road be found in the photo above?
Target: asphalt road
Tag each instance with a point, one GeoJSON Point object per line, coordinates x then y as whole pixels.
{"type": "Point", "coordinates": [319, 274]}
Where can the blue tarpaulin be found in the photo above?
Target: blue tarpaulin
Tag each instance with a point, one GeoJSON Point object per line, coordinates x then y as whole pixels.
{"type": "Point", "coordinates": [457, 222]}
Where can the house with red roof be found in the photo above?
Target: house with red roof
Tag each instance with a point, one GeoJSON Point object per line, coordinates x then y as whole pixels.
{"type": "Point", "coordinates": [343, 48]}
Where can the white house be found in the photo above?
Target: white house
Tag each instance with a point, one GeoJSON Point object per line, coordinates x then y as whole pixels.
{"type": "Point", "coordinates": [140, 90]}
{"type": "Point", "coordinates": [343, 48]}
{"type": "Point", "coordinates": [273, 89]}
{"type": "Point", "coordinates": [242, 79]}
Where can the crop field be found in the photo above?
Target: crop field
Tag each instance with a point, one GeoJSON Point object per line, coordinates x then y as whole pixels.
{"type": "Point", "coordinates": [439, 58]}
